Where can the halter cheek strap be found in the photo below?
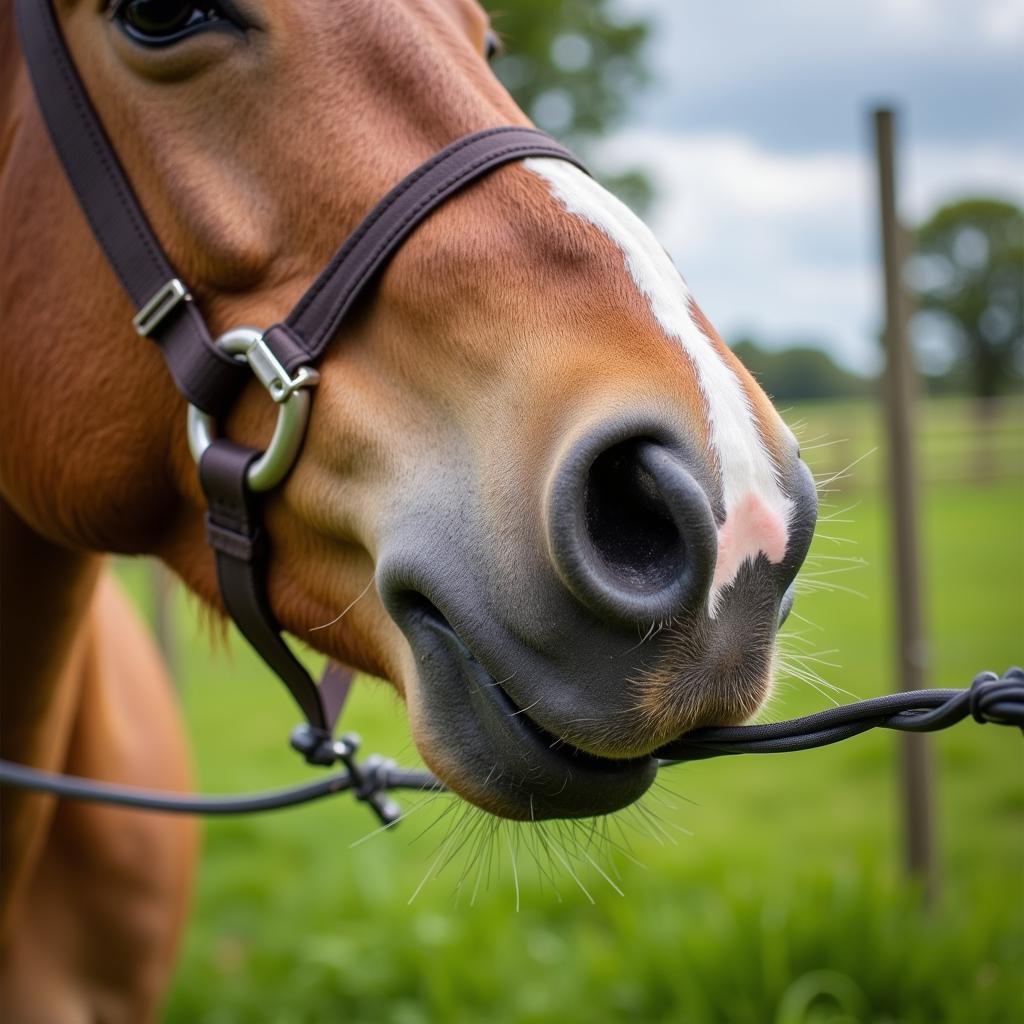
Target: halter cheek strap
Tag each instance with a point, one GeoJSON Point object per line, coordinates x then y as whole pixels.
{"type": "Point", "coordinates": [205, 376]}
{"type": "Point", "coordinates": [210, 374]}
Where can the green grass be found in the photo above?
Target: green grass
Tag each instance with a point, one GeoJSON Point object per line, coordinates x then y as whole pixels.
{"type": "Point", "coordinates": [783, 901]}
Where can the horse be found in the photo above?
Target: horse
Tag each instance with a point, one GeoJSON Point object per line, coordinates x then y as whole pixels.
{"type": "Point", "coordinates": [560, 516]}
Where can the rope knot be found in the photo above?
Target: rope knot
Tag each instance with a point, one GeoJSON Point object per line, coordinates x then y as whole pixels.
{"type": "Point", "coordinates": [368, 781]}
{"type": "Point", "coordinates": [998, 698]}
{"type": "Point", "coordinates": [981, 685]}
{"type": "Point", "coordinates": [372, 779]}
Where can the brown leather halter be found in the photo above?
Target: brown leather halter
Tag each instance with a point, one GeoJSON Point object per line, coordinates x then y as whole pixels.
{"type": "Point", "coordinates": [208, 373]}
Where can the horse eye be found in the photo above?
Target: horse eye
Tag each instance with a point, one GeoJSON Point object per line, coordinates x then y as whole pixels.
{"type": "Point", "coordinates": [160, 22]}
{"type": "Point", "coordinates": [492, 45]}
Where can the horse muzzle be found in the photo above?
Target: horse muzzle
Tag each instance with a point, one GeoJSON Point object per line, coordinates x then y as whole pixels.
{"type": "Point", "coordinates": [554, 658]}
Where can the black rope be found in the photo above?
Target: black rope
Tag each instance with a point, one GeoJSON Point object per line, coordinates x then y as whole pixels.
{"type": "Point", "coordinates": [72, 787]}
{"type": "Point", "coordinates": [369, 781]}
{"type": "Point", "coordinates": [989, 699]}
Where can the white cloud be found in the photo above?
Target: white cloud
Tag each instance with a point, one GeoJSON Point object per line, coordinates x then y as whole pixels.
{"type": "Point", "coordinates": [774, 32]}
{"type": "Point", "coordinates": [1002, 22]}
{"type": "Point", "coordinates": [936, 174]}
{"type": "Point", "coordinates": [797, 74]}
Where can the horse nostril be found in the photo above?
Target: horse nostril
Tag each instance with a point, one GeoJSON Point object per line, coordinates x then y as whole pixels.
{"type": "Point", "coordinates": [631, 532]}
{"type": "Point", "coordinates": [628, 520]}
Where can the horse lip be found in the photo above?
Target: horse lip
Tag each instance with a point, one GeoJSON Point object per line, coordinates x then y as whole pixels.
{"type": "Point", "coordinates": [558, 780]}
{"type": "Point", "coordinates": [510, 708]}
{"type": "Point", "coordinates": [786, 604]}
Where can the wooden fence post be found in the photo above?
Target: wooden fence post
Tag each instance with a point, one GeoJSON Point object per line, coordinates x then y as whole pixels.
{"type": "Point", "coordinates": [899, 393]}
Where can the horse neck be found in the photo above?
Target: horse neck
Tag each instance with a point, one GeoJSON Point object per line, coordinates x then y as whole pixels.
{"type": "Point", "coordinates": [46, 591]}
{"type": "Point", "coordinates": [45, 588]}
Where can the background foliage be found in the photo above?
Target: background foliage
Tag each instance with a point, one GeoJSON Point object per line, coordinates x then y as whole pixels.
{"type": "Point", "coordinates": [573, 67]}
{"type": "Point", "coordinates": [968, 275]}
{"type": "Point", "coordinates": [799, 372]}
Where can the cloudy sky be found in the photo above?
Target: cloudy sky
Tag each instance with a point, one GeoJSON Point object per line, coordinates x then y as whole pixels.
{"type": "Point", "coordinates": [757, 135]}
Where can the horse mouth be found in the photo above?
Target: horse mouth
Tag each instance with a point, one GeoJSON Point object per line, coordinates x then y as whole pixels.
{"type": "Point", "coordinates": [492, 752]}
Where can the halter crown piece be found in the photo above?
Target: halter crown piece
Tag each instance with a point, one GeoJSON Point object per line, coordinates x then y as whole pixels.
{"type": "Point", "coordinates": [210, 374]}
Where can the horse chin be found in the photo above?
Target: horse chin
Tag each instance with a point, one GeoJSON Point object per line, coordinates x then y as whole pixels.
{"type": "Point", "coordinates": [491, 753]}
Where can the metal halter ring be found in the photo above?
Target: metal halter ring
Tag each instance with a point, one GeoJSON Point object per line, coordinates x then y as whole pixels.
{"type": "Point", "coordinates": [246, 344]}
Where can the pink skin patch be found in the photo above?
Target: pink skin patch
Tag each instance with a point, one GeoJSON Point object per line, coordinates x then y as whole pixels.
{"type": "Point", "coordinates": [750, 529]}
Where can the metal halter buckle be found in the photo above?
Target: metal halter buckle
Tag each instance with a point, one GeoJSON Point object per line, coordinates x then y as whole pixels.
{"type": "Point", "coordinates": [160, 306]}
{"type": "Point", "coordinates": [246, 344]}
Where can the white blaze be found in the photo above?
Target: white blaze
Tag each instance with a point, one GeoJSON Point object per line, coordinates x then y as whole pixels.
{"type": "Point", "coordinates": [757, 511]}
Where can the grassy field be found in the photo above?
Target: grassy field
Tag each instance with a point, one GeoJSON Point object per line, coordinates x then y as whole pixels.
{"type": "Point", "coordinates": [765, 891]}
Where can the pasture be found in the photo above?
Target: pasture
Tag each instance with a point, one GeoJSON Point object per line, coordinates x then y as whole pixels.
{"type": "Point", "coordinates": [764, 891]}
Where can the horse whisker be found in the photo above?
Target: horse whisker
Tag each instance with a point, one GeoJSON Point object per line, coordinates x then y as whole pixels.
{"type": "Point", "coordinates": [347, 609]}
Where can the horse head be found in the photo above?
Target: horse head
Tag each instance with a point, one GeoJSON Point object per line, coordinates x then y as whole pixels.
{"type": "Point", "coordinates": [537, 491]}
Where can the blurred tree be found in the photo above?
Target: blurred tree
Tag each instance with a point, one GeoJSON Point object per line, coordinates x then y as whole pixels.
{"type": "Point", "coordinates": [799, 372]}
{"type": "Point", "coordinates": [573, 65]}
{"type": "Point", "coordinates": [968, 277]}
